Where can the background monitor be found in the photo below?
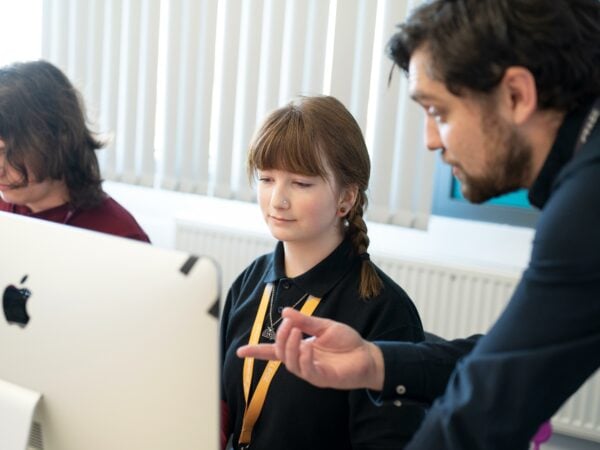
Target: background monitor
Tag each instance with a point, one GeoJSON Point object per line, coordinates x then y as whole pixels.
{"type": "Point", "coordinates": [121, 338]}
{"type": "Point", "coordinates": [510, 209]}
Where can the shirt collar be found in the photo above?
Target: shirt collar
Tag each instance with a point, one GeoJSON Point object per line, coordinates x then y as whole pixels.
{"type": "Point", "coordinates": [319, 280]}
{"type": "Point", "coordinates": [560, 154]}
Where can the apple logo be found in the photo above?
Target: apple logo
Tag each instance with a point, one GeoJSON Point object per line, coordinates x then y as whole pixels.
{"type": "Point", "coordinates": [14, 302]}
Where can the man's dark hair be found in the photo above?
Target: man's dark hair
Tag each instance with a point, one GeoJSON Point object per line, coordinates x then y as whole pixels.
{"type": "Point", "coordinates": [473, 42]}
{"type": "Point", "coordinates": [43, 126]}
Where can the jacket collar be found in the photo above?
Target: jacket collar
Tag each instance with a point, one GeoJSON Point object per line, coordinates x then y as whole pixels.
{"type": "Point", "coordinates": [560, 154]}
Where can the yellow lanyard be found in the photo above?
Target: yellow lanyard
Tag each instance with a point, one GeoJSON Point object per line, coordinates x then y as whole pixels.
{"type": "Point", "coordinates": [253, 409]}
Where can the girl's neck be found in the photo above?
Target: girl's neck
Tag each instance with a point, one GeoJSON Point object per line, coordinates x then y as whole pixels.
{"type": "Point", "coordinates": [300, 257]}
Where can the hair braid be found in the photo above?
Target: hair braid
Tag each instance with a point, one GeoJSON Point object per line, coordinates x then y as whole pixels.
{"type": "Point", "coordinates": [370, 283]}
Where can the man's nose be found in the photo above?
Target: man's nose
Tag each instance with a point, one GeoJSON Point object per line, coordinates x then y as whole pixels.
{"type": "Point", "coordinates": [432, 134]}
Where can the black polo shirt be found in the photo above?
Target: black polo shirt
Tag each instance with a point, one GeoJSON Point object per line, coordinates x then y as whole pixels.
{"type": "Point", "coordinates": [297, 415]}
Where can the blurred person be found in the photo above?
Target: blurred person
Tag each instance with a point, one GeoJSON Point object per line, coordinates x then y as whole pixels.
{"type": "Point", "coordinates": [48, 164]}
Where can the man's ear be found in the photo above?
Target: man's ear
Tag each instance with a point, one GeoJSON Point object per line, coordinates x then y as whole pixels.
{"type": "Point", "coordinates": [519, 94]}
{"type": "Point", "coordinates": [347, 200]}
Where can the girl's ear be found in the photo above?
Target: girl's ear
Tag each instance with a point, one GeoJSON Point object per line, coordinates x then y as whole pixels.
{"type": "Point", "coordinates": [347, 200]}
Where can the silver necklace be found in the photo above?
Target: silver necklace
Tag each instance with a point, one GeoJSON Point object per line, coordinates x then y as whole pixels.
{"type": "Point", "coordinates": [269, 331]}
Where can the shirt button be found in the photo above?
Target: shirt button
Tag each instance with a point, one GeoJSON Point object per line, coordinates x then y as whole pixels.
{"type": "Point", "coordinates": [397, 403]}
{"type": "Point", "coordinates": [286, 284]}
{"type": "Point", "coordinates": [400, 389]}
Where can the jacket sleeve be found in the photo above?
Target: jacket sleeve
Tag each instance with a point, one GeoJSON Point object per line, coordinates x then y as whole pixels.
{"type": "Point", "coordinates": [390, 425]}
{"type": "Point", "coordinates": [419, 372]}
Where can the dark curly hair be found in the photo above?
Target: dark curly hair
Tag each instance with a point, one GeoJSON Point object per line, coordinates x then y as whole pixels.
{"type": "Point", "coordinates": [473, 42]}
{"type": "Point", "coordinates": [43, 126]}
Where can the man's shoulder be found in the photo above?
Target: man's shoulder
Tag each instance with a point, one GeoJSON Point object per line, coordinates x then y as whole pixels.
{"type": "Point", "coordinates": [568, 230]}
{"type": "Point", "coordinates": [587, 158]}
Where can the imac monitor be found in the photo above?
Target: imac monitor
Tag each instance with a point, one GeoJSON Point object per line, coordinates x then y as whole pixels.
{"type": "Point", "coordinates": [120, 339]}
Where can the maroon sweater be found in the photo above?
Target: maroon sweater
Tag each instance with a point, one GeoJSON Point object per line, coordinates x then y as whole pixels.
{"type": "Point", "coordinates": [108, 217]}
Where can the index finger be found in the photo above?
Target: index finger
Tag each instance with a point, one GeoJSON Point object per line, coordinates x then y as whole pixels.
{"type": "Point", "coordinates": [258, 351]}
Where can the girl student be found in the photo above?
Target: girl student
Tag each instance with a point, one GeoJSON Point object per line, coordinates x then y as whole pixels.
{"type": "Point", "coordinates": [312, 169]}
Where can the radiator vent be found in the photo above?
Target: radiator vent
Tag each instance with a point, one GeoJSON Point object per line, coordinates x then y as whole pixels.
{"type": "Point", "coordinates": [452, 301]}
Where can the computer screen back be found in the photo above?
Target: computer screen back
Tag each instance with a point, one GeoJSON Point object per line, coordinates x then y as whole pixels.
{"type": "Point", "coordinates": [121, 338]}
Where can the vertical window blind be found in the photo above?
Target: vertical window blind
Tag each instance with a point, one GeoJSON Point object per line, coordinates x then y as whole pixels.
{"type": "Point", "coordinates": [179, 86]}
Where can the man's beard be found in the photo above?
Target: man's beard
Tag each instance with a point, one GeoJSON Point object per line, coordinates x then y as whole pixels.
{"type": "Point", "coordinates": [507, 170]}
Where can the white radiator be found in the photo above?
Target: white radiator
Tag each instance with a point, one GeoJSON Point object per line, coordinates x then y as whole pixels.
{"type": "Point", "coordinates": [452, 301]}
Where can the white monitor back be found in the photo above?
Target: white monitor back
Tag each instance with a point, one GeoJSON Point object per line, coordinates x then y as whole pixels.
{"type": "Point", "coordinates": [122, 341]}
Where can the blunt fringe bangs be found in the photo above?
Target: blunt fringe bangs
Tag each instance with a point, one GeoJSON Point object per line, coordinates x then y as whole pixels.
{"type": "Point", "coordinates": [286, 141]}
{"type": "Point", "coordinates": [315, 136]}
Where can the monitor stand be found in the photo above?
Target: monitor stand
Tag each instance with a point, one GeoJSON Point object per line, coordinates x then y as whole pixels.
{"type": "Point", "coordinates": [17, 406]}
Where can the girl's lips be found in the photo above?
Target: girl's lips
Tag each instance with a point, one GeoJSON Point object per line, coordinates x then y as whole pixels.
{"type": "Point", "coordinates": [280, 219]}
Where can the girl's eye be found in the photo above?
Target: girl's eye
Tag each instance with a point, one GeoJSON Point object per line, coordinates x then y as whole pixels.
{"type": "Point", "coordinates": [302, 184]}
{"type": "Point", "coordinates": [264, 179]}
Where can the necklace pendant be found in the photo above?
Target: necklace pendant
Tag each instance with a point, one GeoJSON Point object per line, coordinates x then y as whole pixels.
{"type": "Point", "coordinates": [269, 333]}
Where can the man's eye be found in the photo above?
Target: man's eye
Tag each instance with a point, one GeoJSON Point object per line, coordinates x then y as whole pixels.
{"type": "Point", "coordinates": [436, 114]}
{"type": "Point", "coordinates": [432, 111]}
